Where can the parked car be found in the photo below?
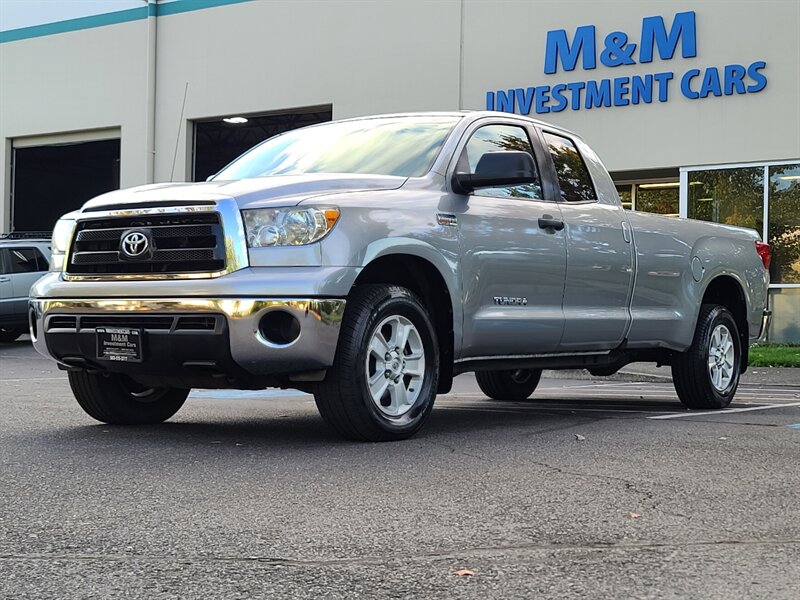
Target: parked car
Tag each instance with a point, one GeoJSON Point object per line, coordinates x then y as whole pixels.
{"type": "Point", "coordinates": [369, 261]}
{"type": "Point", "coordinates": [24, 258]}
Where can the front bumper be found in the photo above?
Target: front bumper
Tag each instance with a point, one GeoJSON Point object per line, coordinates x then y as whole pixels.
{"type": "Point", "coordinates": [178, 343]}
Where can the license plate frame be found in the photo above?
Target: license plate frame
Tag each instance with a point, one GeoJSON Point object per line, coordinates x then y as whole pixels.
{"type": "Point", "coordinates": [119, 344]}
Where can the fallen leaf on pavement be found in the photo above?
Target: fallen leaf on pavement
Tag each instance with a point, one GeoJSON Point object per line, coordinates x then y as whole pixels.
{"type": "Point", "coordinates": [464, 573]}
{"type": "Point", "coordinates": [635, 516]}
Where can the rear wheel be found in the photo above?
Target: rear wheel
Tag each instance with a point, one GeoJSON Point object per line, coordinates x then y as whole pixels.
{"type": "Point", "coordinates": [118, 400]}
{"type": "Point", "coordinates": [10, 334]}
{"type": "Point", "coordinates": [707, 374]}
{"type": "Point", "coordinates": [516, 385]}
{"type": "Point", "coordinates": [383, 382]}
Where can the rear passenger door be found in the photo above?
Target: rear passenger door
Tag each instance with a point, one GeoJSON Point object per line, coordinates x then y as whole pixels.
{"type": "Point", "coordinates": [599, 279]}
{"type": "Point", "coordinates": [512, 269]}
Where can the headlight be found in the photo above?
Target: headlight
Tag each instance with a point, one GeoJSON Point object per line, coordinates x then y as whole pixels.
{"type": "Point", "coordinates": [59, 243]}
{"type": "Point", "coordinates": [287, 226]}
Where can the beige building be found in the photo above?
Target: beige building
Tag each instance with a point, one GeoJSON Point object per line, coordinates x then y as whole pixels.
{"type": "Point", "coordinates": [692, 105]}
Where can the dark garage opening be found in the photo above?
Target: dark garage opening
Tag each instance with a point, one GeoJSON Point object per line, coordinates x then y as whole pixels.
{"type": "Point", "coordinates": [217, 142]}
{"type": "Point", "coordinates": [49, 181]}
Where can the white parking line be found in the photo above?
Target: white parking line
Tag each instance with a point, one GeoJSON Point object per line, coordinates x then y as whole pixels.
{"type": "Point", "coordinates": [724, 412]}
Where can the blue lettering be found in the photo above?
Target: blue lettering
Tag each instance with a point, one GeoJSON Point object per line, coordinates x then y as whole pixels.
{"type": "Point", "coordinates": [489, 100]}
{"type": "Point", "coordinates": [560, 98]}
{"type": "Point", "coordinates": [734, 79]}
{"type": "Point", "coordinates": [576, 88]}
{"type": "Point", "coordinates": [686, 84]}
{"type": "Point", "coordinates": [654, 32]}
{"type": "Point", "coordinates": [620, 90]}
{"type": "Point", "coordinates": [524, 100]}
{"type": "Point", "coordinates": [617, 50]}
{"type": "Point", "coordinates": [598, 95]}
{"type": "Point", "coordinates": [711, 84]}
{"type": "Point", "coordinates": [505, 101]}
{"type": "Point", "coordinates": [558, 47]}
{"type": "Point", "coordinates": [663, 80]}
{"type": "Point", "coordinates": [542, 98]}
{"type": "Point", "coordinates": [760, 80]}
{"type": "Point", "coordinates": [641, 89]}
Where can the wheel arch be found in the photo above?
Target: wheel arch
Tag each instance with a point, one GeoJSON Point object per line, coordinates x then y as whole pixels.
{"type": "Point", "coordinates": [425, 279]}
{"type": "Point", "coordinates": [728, 291]}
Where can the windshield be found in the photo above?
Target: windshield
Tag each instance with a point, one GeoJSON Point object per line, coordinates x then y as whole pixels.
{"type": "Point", "coordinates": [402, 146]}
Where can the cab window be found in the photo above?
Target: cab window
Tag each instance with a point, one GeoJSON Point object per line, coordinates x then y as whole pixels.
{"type": "Point", "coordinates": [492, 138]}
{"type": "Point", "coordinates": [573, 176]}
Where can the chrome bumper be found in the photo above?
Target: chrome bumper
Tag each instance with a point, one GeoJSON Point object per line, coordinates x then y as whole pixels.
{"type": "Point", "coordinates": [313, 349]}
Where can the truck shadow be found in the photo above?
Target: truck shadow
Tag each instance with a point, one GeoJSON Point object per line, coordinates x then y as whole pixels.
{"type": "Point", "coordinates": [301, 428]}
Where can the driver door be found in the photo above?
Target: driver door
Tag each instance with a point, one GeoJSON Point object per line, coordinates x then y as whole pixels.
{"type": "Point", "coordinates": [512, 268]}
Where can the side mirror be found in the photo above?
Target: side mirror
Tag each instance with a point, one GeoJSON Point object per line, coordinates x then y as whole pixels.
{"type": "Point", "coordinates": [494, 169]}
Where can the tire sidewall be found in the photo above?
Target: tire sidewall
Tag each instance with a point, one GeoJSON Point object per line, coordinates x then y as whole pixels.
{"type": "Point", "coordinates": [399, 302]}
{"type": "Point", "coordinates": [721, 316]}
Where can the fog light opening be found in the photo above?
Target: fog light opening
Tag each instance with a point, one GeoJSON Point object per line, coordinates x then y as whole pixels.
{"type": "Point", "coordinates": [278, 327]}
{"type": "Point", "coordinates": [32, 325]}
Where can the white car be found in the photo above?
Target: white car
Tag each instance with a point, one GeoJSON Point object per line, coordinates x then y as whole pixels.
{"type": "Point", "coordinates": [24, 258]}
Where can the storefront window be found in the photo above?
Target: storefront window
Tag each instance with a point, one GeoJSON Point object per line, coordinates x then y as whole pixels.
{"type": "Point", "coordinates": [730, 196]}
{"type": "Point", "coordinates": [784, 223]}
{"type": "Point", "coordinates": [659, 198]}
{"type": "Point", "coordinates": [625, 196]}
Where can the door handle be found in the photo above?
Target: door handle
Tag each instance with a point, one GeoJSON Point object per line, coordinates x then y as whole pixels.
{"type": "Point", "coordinates": [548, 222]}
{"type": "Point", "coordinates": [4, 279]}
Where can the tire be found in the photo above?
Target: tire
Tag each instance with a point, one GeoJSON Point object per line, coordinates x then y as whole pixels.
{"type": "Point", "coordinates": [376, 323]}
{"type": "Point", "coordinates": [707, 374]}
{"type": "Point", "coordinates": [11, 334]}
{"type": "Point", "coordinates": [515, 385]}
{"type": "Point", "coordinates": [118, 400]}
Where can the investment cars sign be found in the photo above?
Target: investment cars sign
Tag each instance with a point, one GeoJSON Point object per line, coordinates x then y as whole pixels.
{"type": "Point", "coordinates": [617, 50]}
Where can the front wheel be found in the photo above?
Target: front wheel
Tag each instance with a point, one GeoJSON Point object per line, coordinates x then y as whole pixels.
{"type": "Point", "coordinates": [383, 382]}
{"type": "Point", "coordinates": [516, 385]}
{"type": "Point", "coordinates": [118, 400]}
{"type": "Point", "coordinates": [707, 374]}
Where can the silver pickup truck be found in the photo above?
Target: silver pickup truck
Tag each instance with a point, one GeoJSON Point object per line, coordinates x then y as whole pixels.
{"type": "Point", "coordinates": [369, 261]}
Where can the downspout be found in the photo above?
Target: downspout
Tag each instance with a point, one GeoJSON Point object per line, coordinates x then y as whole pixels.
{"type": "Point", "coordinates": [150, 116]}
{"type": "Point", "coordinates": [461, 58]}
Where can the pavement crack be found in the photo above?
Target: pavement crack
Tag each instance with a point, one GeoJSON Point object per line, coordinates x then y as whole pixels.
{"type": "Point", "coordinates": [371, 560]}
{"type": "Point", "coordinates": [456, 450]}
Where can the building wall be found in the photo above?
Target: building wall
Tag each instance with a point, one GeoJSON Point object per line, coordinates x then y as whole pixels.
{"type": "Point", "coordinates": [265, 56]}
{"type": "Point", "coordinates": [504, 47]}
{"type": "Point", "coordinates": [242, 57]}
{"type": "Point", "coordinates": [76, 82]}
{"type": "Point", "coordinates": [395, 56]}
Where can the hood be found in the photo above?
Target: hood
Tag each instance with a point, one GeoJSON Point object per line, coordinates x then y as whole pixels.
{"type": "Point", "coordinates": [280, 190]}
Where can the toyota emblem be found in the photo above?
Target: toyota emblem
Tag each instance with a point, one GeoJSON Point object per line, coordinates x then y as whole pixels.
{"type": "Point", "coordinates": [134, 244]}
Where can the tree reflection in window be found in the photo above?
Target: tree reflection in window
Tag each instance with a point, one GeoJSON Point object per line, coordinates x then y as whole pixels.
{"type": "Point", "coordinates": [573, 176]}
{"type": "Point", "coordinates": [492, 138]}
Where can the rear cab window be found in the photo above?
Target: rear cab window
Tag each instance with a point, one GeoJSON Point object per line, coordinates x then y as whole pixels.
{"type": "Point", "coordinates": [574, 181]}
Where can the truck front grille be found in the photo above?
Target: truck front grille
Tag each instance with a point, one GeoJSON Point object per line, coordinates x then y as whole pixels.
{"type": "Point", "coordinates": [181, 243]}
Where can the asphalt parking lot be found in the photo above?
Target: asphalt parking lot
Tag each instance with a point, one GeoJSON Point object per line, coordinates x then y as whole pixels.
{"type": "Point", "coordinates": [601, 490]}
